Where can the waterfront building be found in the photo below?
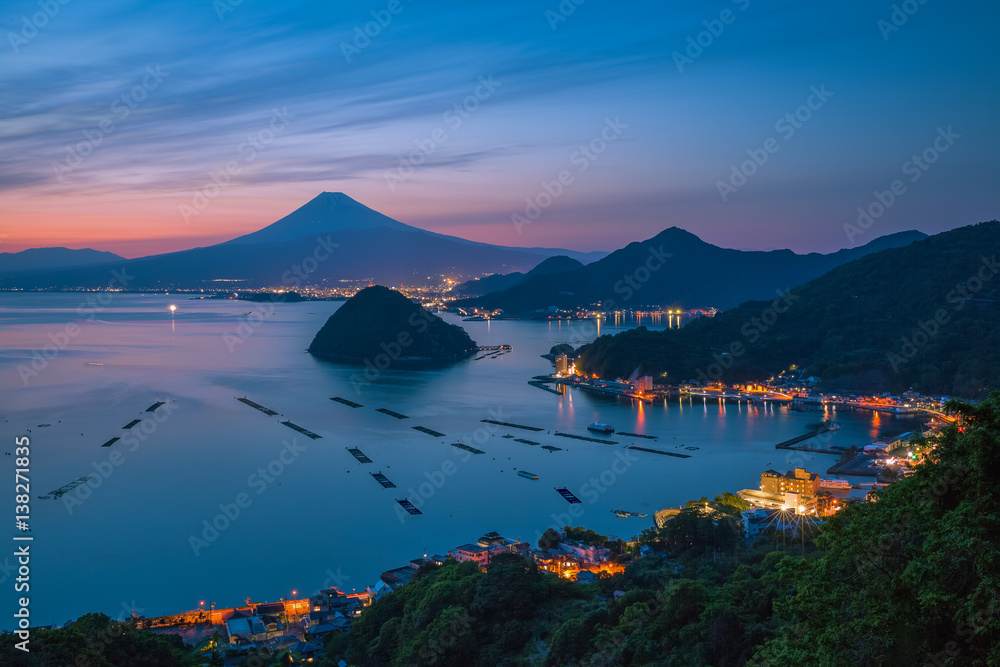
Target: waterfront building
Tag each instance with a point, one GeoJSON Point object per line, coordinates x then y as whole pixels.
{"type": "Point", "coordinates": [798, 481]}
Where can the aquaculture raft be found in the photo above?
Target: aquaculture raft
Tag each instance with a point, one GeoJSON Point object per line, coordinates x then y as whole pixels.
{"type": "Point", "coordinates": [383, 480]}
{"type": "Point", "coordinates": [350, 404]}
{"type": "Point", "coordinates": [359, 455]}
{"type": "Point", "coordinates": [256, 406]}
{"type": "Point", "coordinates": [508, 424]}
{"type": "Point", "coordinates": [583, 437]}
{"type": "Point", "coordinates": [391, 413]}
{"type": "Point", "coordinates": [111, 441]}
{"type": "Point", "coordinates": [155, 406]}
{"type": "Point", "coordinates": [657, 451]}
{"type": "Point", "coordinates": [429, 431]}
{"type": "Point", "coordinates": [467, 448]}
{"type": "Point", "coordinates": [131, 424]}
{"type": "Point", "coordinates": [304, 431]}
{"type": "Point", "coordinates": [408, 506]}
{"type": "Point", "coordinates": [570, 498]}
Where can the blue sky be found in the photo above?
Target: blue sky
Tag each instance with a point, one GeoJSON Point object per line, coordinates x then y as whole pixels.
{"type": "Point", "coordinates": [351, 110]}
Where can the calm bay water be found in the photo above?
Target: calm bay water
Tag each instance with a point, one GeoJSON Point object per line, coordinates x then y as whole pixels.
{"type": "Point", "coordinates": [311, 515]}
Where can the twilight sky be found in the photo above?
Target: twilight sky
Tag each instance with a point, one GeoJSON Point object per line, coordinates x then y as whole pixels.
{"type": "Point", "coordinates": [115, 115]}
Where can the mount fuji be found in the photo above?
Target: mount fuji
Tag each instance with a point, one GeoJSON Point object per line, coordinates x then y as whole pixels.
{"type": "Point", "coordinates": [329, 239]}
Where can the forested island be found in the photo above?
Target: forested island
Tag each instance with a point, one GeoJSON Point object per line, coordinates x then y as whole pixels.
{"type": "Point", "coordinates": [378, 322]}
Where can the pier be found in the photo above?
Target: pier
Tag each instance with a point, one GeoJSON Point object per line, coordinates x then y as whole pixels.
{"type": "Point", "coordinates": [467, 448]}
{"type": "Point", "coordinates": [256, 406]}
{"type": "Point", "coordinates": [383, 480]}
{"type": "Point", "coordinates": [391, 413]}
{"type": "Point", "coordinates": [408, 506]}
{"type": "Point", "coordinates": [429, 431]}
{"type": "Point", "coordinates": [344, 401]}
{"type": "Point", "coordinates": [586, 438]}
{"type": "Point", "coordinates": [570, 498]}
{"type": "Point", "coordinates": [304, 431]}
{"type": "Point", "coordinates": [111, 441]}
{"type": "Point", "coordinates": [788, 444]}
{"type": "Point", "coordinates": [543, 386]}
{"type": "Point", "coordinates": [509, 425]}
{"type": "Point", "coordinates": [359, 455]}
{"type": "Point", "coordinates": [658, 451]}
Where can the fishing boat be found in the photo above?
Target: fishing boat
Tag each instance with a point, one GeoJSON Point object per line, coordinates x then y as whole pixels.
{"type": "Point", "coordinates": [527, 475]}
{"type": "Point", "coordinates": [601, 427]}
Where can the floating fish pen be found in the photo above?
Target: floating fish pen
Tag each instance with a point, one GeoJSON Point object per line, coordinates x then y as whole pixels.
{"type": "Point", "coordinates": [111, 441]}
{"type": "Point", "coordinates": [344, 401]}
{"type": "Point", "coordinates": [429, 431]}
{"type": "Point", "coordinates": [131, 424]}
{"type": "Point", "coordinates": [508, 424]}
{"type": "Point", "coordinates": [410, 507]}
{"type": "Point", "coordinates": [62, 490]}
{"type": "Point", "coordinates": [155, 406]}
{"type": "Point", "coordinates": [359, 455]}
{"type": "Point", "coordinates": [638, 435]}
{"type": "Point", "coordinates": [657, 451]}
{"type": "Point", "coordinates": [467, 448]}
{"type": "Point", "coordinates": [570, 498]}
{"type": "Point", "coordinates": [383, 480]}
{"type": "Point", "coordinates": [586, 438]}
{"type": "Point", "coordinates": [391, 413]}
{"type": "Point", "coordinates": [527, 475]}
{"type": "Point", "coordinates": [551, 448]}
{"type": "Point", "coordinates": [304, 431]}
{"type": "Point", "coordinates": [527, 442]}
{"type": "Point", "coordinates": [256, 406]}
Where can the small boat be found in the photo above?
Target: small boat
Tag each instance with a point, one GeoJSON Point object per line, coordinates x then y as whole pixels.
{"type": "Point", "coordinates": [527, 475]}
{"type": "Point", "coordinates": [601, 427]}
{"type": "Point", "coordinates": [622, 514]}
{"type": "Point", "coordinates": [832, 426]}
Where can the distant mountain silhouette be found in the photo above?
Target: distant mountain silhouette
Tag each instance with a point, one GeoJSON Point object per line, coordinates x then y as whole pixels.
{"type": "Point", "coordinates": [53, 258]}
{"type": "Point", "coordinates": [382, 327]}
{"type": "Point", "coordinates": [329, 239]}
{"type": "Point", "coordinates": [677, 268]}
{"type": "Point", "coordinates": [924, 316]}
{"type": "Point", "coordinates": [499, 281]}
